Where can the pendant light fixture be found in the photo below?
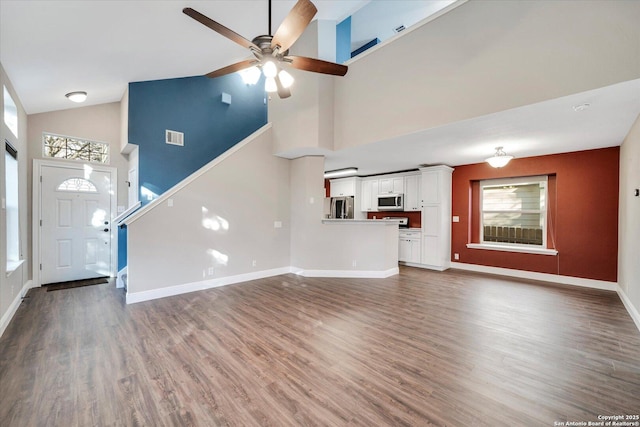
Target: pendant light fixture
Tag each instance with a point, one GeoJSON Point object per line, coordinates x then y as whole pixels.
{"type": "Point", "coordinates": [499, 159]}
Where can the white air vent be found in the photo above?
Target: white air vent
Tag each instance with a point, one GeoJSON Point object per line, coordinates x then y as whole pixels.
{"type": "Point", "coordinates": [398, 29]}
{"type": "Point", "coordinates": [174, 138]}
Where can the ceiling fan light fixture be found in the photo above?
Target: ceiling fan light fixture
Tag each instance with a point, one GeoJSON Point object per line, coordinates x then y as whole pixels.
{"type": "Point", "coordinates": [499, 159]}
{"type": "Point", "coordinates": [77, 96]}
{"type": "Point", "coordinates": [269, 69]}
{"type": "Point", "coordinates": [286, 79]}
{"type": "Point", "coordinates": [270, 85]}
{"type": "Point", "coordinates": [250, 76]}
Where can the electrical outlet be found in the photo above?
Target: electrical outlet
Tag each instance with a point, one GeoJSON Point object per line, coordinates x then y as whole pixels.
{"type": "Point", "coordinates": [253, 264]}
{"type": "Point", "coordinates": [170, 203]}
{"type": "Point", "coordinates": [353, 264]}
{"type": "Point", "coordinates": [212, 271]}
{"type": "Point", "coordinates": [456, 256]}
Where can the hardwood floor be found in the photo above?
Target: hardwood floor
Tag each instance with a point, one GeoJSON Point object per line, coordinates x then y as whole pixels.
{"type": "Point", "coordinates": [421, 348]}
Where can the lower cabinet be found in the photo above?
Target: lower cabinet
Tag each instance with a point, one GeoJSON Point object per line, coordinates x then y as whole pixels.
{"type": "Point", "coordinates": [409, 247]}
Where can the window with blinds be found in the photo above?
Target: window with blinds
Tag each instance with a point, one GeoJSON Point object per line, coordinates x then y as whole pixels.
{"type": "Point", "coordinates": [514, 211]}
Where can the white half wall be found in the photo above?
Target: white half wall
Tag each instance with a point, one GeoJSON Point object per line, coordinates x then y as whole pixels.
{"type": "Point", "coordinates": [629, 219]}
{"type": "Point", "coordinates": [220, 223]}
{"type": "Point", "coordinates": [334, 250]}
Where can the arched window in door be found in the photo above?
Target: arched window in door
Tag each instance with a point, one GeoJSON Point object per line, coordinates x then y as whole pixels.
{"type": "Point", "coordinates": [80, 185]}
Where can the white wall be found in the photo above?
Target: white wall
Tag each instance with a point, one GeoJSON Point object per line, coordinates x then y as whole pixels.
{"type": "Point", "coordinates": [304, 121]}
{"type": "Point", "coordinates": [96, 123]}
{"type": "Point", "coordinates": [483, 57]}
{"type": "Point", "coordinates": [230, 209]}
{"type": "Point", "coordinates": [13, 287]}
{"type": "Point", "coordinates": [629, 218]}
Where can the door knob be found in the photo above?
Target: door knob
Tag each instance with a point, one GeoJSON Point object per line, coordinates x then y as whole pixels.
{"type": "Point", "coordinates": [106, 230]}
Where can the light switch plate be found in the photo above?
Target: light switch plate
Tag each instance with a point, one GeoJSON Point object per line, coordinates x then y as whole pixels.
{"type": "Point", "coordinates": [277, 224]}
{"type": "Point", "coordinates": [456, 218]}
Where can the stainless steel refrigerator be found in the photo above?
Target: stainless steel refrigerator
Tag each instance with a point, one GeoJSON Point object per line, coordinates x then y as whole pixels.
{"type": "Point", "coordinates": [342, 207]}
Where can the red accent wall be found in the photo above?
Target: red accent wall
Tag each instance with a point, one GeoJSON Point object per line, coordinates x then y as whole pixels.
{"type": "Point", "coordinates": [583, 214]}
{"type": "Point", "coordinates": [415, 218]}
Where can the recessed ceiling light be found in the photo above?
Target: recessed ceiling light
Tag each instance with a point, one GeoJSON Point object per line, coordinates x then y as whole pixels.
{"type": "Point", "coordinates": [581, 107]}
{"type": "Point", "coordinates": [78, 96]}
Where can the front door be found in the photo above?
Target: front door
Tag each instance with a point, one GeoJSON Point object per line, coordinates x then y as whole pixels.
{"type": "Point", "coordinates": [75, 234]}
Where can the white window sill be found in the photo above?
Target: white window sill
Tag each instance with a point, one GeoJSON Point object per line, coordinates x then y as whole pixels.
{"type": "Point", "coordinates": [509, 248]}
{"type": "Point", "coordinates": [13, 266]}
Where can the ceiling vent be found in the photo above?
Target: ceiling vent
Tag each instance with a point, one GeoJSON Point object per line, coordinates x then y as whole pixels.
{"type": "Point", "coordinates": [398, 29]}
{"type": "Point", "coordinates": [174, 138]}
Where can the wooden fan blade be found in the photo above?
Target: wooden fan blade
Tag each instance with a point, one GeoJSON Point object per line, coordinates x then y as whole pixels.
{"type": "Point", "coordinates": [316, 65]}
{"type": "Point", "coordinates": [232, 68]}
{"type": "Point", "coordinates": [294, 25]}
{"type": "Point", "coordinates": [219, 28]}
{"type": "Point", "coordinates": [283, 92]}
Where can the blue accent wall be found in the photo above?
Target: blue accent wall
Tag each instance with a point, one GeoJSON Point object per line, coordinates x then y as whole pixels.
{"type": "Point", "coordinates": [343, 41]}
{"type": "Point", "coordinates": [192, 105]}
{"type": "Point", "coordinates": [122, 248]}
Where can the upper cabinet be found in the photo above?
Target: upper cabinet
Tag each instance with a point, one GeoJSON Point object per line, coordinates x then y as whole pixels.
{"type": "Point", "coordinates": [431, 186]}
{"type": "Point", "coordinates": [412, 194]}
{"type": "Point", "coordinates": [369, 195]}
{"type": "Point", "coordinates": [343, 187]}
{"type": "Point", "coordinates": [391, 185]}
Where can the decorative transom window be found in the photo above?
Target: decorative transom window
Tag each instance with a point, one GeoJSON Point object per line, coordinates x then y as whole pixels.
{"type": "Point", "coordinates": [64, 147]}
{"type": "Point", "coordinates": [77, 184]}
{"type": "Point", "coordinates": [514, 211]}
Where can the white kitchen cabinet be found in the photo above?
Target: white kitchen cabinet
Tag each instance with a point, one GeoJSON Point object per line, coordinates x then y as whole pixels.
{"type": "Point", "coordinates": [343, 187]}
{"type": "Point", "coordinates": [430, 186]}
{"type": "Point", "coordinates": [436, 217]}
{"type": "Point", "coordinates": [369, 195]}
{"type": "Point", "coordinates": [391, 185]}
{"type": "Point", "coordinates": [409, 247]}
{"type": "Point", "coordinates": [412, 196]}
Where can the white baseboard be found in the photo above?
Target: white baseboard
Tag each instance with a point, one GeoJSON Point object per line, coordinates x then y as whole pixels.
{"type": "Point", "coordinates": [544, 277]}
{"type": "Point", "coordinates": [6, 318]}
{"type": "Point", "coordinates": [425, 266]}
{"type": "Point", "coordinates": [134, 297]}
{"type": "Point", "coordinates": [553, 278]}
{"type": "Point", "coordinates": [362, 274]}
{"type": "Point", "coordinates": [633, 312]}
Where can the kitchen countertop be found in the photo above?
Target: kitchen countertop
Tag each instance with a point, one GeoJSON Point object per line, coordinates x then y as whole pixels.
{"type": "Point", "coordinates": [361, 221]}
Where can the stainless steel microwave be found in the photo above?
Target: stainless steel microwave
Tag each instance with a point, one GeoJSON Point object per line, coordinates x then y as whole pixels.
{"type": "Point", "coordinates": [390, 202]}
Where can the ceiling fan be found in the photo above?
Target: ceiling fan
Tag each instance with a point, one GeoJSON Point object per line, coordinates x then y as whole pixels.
{"type": "Point", "coordinates": [271, 52]}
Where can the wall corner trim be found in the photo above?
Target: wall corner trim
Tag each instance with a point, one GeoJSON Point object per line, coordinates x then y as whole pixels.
{"type": "Point", "coordinates": [6, 319]}
{"type": "Point", "coordinates": [188, 180]}
{"type": "Point", "coordinates": [633, 311]}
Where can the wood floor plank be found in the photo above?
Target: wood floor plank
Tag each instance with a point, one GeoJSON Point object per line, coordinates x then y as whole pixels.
{"type": "Point", "coordinates": [421, 348]}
